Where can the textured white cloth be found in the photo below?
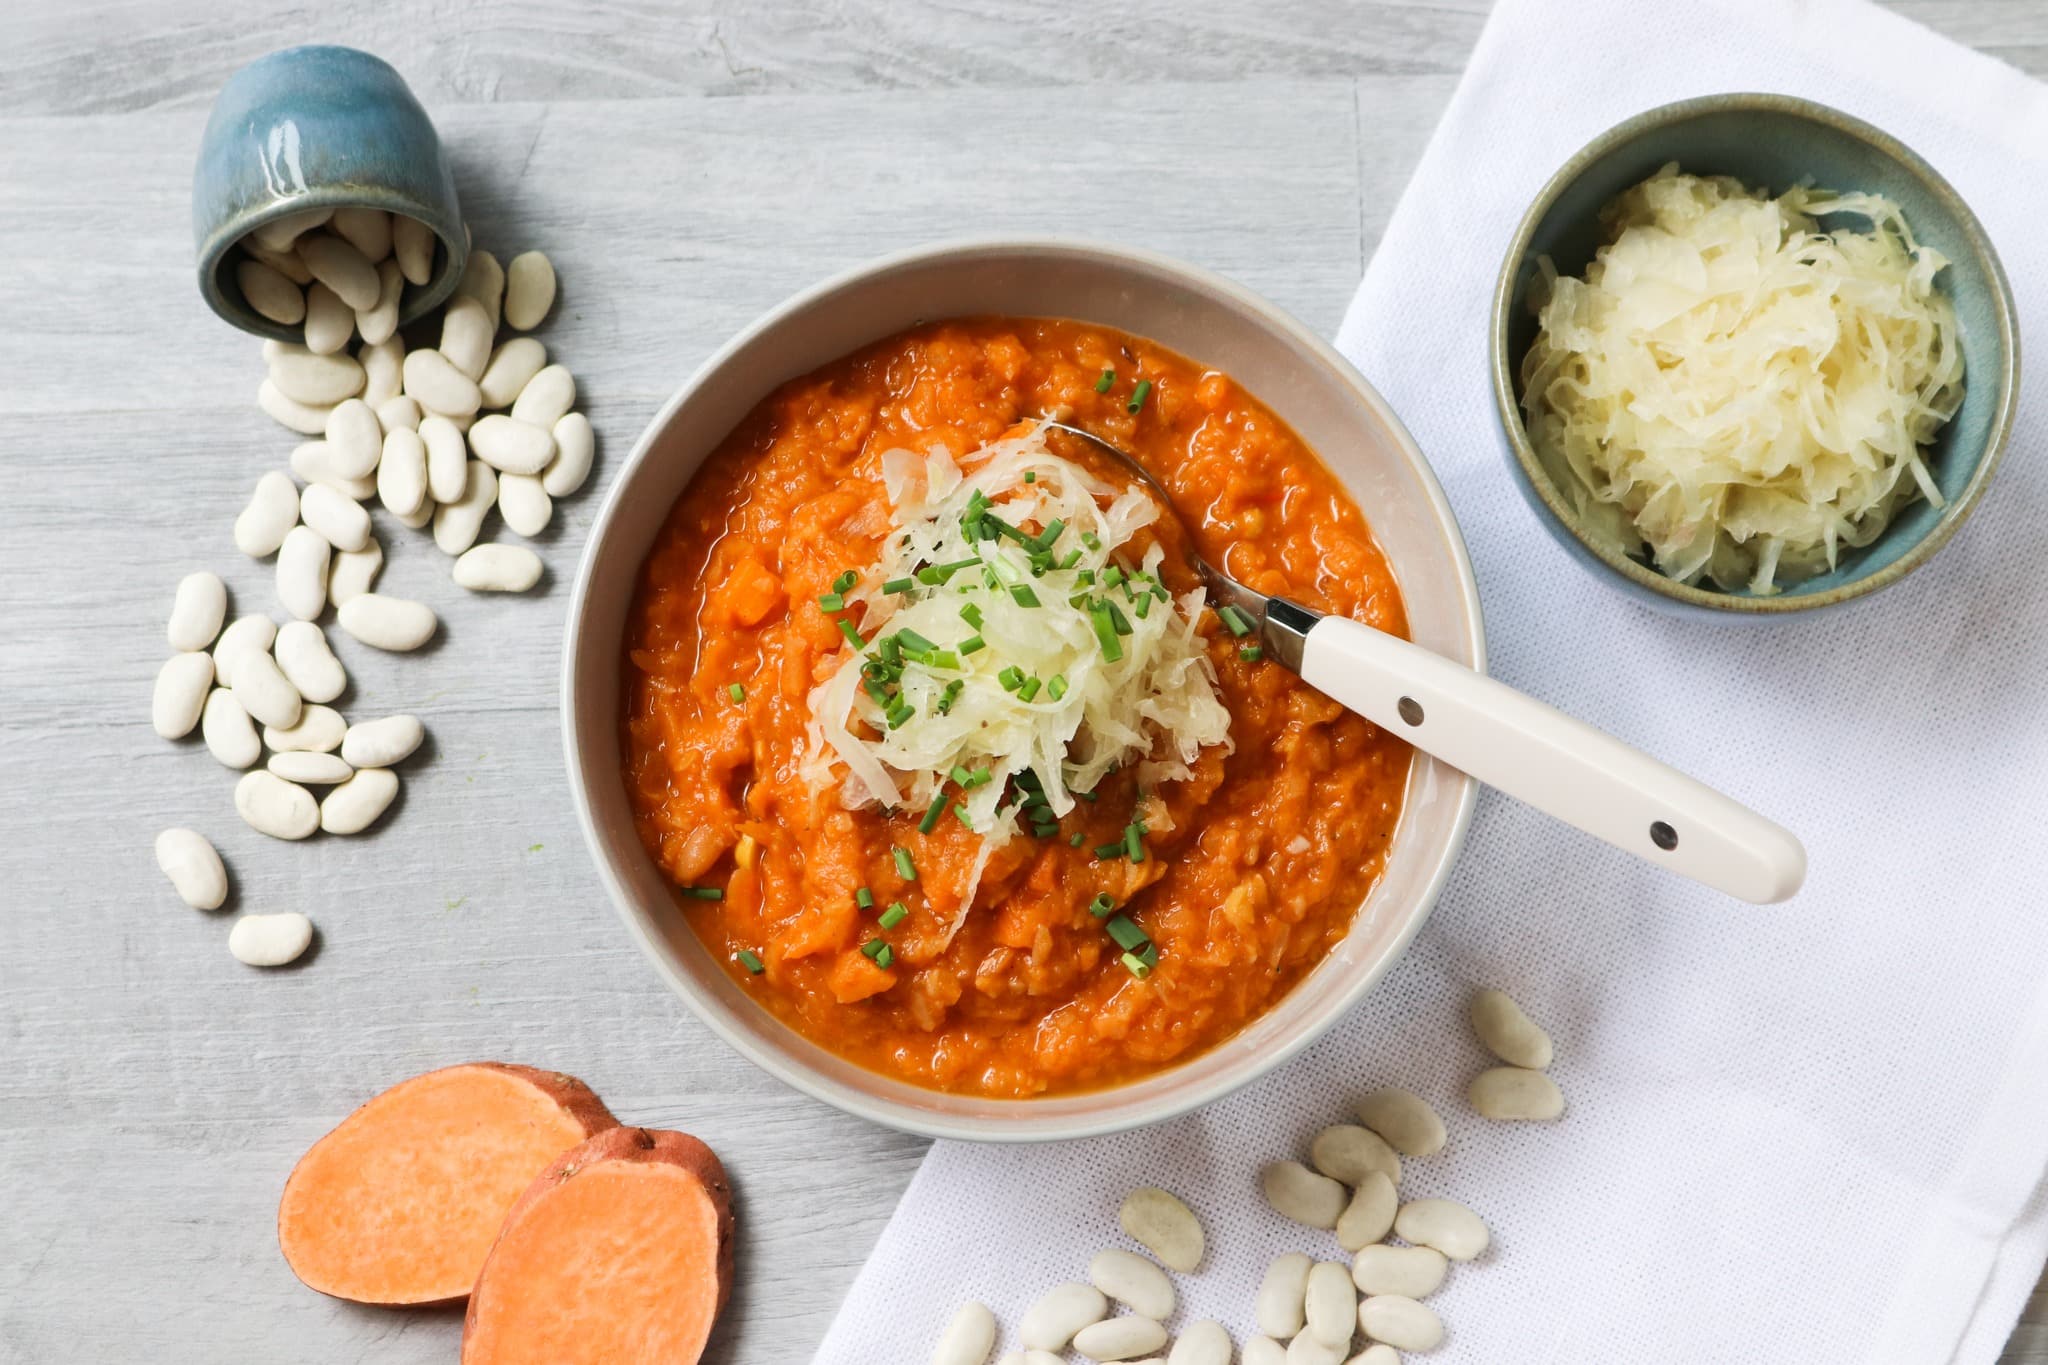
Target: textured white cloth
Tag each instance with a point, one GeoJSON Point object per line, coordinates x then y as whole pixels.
{"type": "Point", "coordinates": [1807, 1133]}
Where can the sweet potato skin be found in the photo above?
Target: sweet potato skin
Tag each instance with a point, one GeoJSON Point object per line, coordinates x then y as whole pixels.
{"type": "Point", "coordinates": [650, 1146]}
{"type": "Point", "coordinates": [575, 1100]}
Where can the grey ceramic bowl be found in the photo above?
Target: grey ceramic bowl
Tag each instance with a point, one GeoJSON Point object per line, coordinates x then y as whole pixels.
{"type": "Point", "coordinates": [1196, 313]}
{"type": "Point", "coordinates": [1769, 142]}
{"type": "Point", "coordinates": [318, 127]}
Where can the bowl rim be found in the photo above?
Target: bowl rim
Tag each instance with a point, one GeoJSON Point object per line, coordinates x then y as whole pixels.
{"type": "Point", "coordinates": [881, 1110]}
{"type": "Point", "coordinates": [1508, 408]}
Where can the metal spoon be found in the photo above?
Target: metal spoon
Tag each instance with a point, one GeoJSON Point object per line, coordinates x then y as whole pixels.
{"type": "Point", "coordinates": [1532, 751]}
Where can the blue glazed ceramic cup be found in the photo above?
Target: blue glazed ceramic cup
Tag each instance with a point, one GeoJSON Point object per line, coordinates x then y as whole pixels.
{"type": "Point", "coordinates": [312, 128]}
{"type": "Point", "coordinates": [1770, 143]}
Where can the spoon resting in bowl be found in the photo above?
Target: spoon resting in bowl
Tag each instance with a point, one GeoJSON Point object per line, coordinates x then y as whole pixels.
{"type": "Point", "coordinates": [1510, 741]}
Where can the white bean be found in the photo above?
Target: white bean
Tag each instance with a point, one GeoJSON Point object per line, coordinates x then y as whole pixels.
{"type": "Point", "coordinates": [511, 366]}
{"type": "Point", "coordinates": [340, 519]}
{"type": "Point", "coordinates": [399, 413]}
{"type": "Point", "coordinates": [280, 233]}
{"type": "Point", "coordinates": [1132, 1280]}
{"type": "Point", "coordinates": [1404, 1119]}
{"type": "Point", "coordinates": [575, 446]}
{"type": "Point", "coordinates": [1401, 1322]}
{"type": "Point", "coordinates": [367, 230]}
{"type": "Point", "coordinates": [439, 385]}
{"type": "Point", "coordinates": [330, 323]}
{"type": "Point", "coordinates": [383, 365]}
{"type": "Point", "coordinates": [194, 868]}
{"type": "Point", "coordinates": [1280, 1307]}
{"type": "Point", "coordinates": [319, 731]}
{"type": "Point", "coordinates": [341, 268]}
{"type": "Point", "coordinates": [272, 511]}
{"type": "Point", "coordinates": [1030, 1358]}
{"type": "Point", "coordinates": [1309, 1349]}
{"type": "Point", "coordinates": [412, 245]}
{"type": "Point", "coordinates": [483, 279]}
{"type": "Point", "coordinates": [1509, 1033]}
{"type": "Point", "coordinates": [316, 380]}
{"type": "Point", "coordinates": [1445, 1224]}
{"type": "Point", "coordinates": [497, 568]}
{"type": "Point", "coordinates": [380, 323]}
{"type": "Point", "coordinates": [547, 397]}
{"type": "Point", "coordinates": [1412, 1272]}
{"type": "Point", "coordinates": [225, 727]}
{"type": "Point", "coordinates": [1051, 1321]}
{"type": "Point", "coordinates": [1124, 1338]}
{"type": "Point", "coordinates": [529, 290]}
{"type": "Point", "coordinates": [310, 767]}
{"type": "Point", "coordinates": [180, 694]}
{"type": "Point", "coordinates": [270, 940]}
{"type": "Point", "coordinates": [466, 329]}
{"type": "Point", "coordinates": [302, 571]}
{"type": "Point", "coordinates": [1163, 1225]}
{"type": "Point", "coordinates": [1298, 1193]}
{"type": "Point", "coordinates": [315, 462]}
{"type": "Point", "coordinates": [1370, 1213]}
{"type": "Point", "coordinates": [510, 445]}
{"type": "Point", "coordinates": [197, 610]}
{"type": "Point", "coordinates": [264, 691]}
{"type": "Point", "coordinates": [306, 419]}
{"type": "Point", "coordinates": [457, 523]}
{"type": "Point", "coordinates": [524, 504]}
{"type": "Point", "coordinates": [1509, 1094]}
{"type": "Point", "coordinates": [418, 519]}
{"type": "Point", "coordinates": [285, 263]}
{"type": "Point", "coordinates": [1379, 1353]}
{"type": "Point", "coordinates": [392, 623]}
{"type": "Point", "coordinates": [1201, 1343]}
{"type": "Point", "coordinates": [354, 572]}
{"type": "Point", "coordinates": [969, 1337]}
{"type": "Point", "coordinates": [355, 438]}
{"type": "Point", "coordinates": [308, 663]}
{"type": "Point", "coordinates": [273, 806]}
{"type": "Point", "coordinates": [269, 293]}
{"type": "Point", "coordinates": [1330, 1303]}
{"type": "Point", "coordinates": [1263, 1351]}
{"type": "Point", "coordinates": [1346, 1152]}
{"type": "Point", "coordinates": [447, 458]}
{"type": "Point", "coordinates": [402, 473]}
{"type": "Point", "coordinates": [383, 742]}
{"type": "Point", "coordinates": [246, 633]}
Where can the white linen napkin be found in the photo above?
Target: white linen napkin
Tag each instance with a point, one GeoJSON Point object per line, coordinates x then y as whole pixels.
{"type": "Point", "coordinates": [1806, 1133]}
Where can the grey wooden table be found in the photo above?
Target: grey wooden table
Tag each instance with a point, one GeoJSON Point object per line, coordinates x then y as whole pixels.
{"type": "Point", "coordinates": [686, 168]}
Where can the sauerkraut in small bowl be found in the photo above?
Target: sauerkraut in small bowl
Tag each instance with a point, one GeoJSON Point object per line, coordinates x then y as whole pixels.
{"type": "Point", "coordinates": [1752, 356]}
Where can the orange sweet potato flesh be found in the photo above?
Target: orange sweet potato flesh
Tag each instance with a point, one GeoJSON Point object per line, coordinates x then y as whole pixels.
{"type": "Point", "coordinates": [619, 1254]}
{"type": "Point", "coordinates": [401, 1202]}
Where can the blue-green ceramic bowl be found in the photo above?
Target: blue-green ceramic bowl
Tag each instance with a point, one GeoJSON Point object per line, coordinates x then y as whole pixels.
{"type": "Point", "coordinates": [318, 127]}
{"type": "Point", "coordinates": [1770, 143]}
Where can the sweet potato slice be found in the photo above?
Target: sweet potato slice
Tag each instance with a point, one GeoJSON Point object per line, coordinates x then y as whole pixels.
{"type": "Point", "coordinates": [620, 1253]}
{"type": "Point", "coordinates": [400, 1203]}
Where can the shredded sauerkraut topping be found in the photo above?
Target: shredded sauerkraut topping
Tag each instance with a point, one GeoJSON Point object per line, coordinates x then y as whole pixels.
{"type": "Point", "coordinates": [1738, 389]}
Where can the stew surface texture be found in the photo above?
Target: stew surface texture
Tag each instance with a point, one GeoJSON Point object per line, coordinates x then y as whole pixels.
{"type": "Point", "coordinates": [1272, 846]}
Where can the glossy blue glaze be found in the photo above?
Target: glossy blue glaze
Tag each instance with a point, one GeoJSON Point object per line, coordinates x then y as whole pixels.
{"type": "Point", "coordinates": [318, 127]}
{"type": "Point", "coordinates": [1770, 143]}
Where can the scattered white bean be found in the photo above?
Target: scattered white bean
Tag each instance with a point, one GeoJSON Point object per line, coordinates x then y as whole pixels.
{"type": "Point", "coordinates": [180, 694]}
{"type": "Point", "coordinates": [1050, 1322]}
{"type": "Point", "coordinates": [383, 742]}
{"type": "Point", "coordinates": [1507, 1032]}
{"type": "Point", "coordinates": [1509, 1094]}
{"type": "Point", "coordinates": [308, 663]}
{"type": "Point", "coordinates": [302, 570]}
{"type": "Point", "coordinates": [1404, 1119]}
{"type": "Point", "coordinates": [412, 244]}
{"type": "Point", "coordinates": [194, 868]}
{"type": "Point", "coordinates": [438, 385]}
{"type": "Point", "coordinates": [1379, 1353]}
{"type": "Point", "coordinates": [319, 731]}
{"type": "Point", "coordinates": [1346, 1152]}
{"type": "Point", "coordinates": [315, 462]}
{"type": "Point", "coordinates": [306, 419]}
{"type": "Point", "coordinates": [510, 445]}
{"type": "Point", "coordinates": [1164, 1226]}
{"type": "Point", "coordinates": [246, 633]}
{"type": "Point", "coordinates": [402, 473]}
{"type": "Point", "coordinates": [380, 323]}
{"type": "Point", "coordinates": [269, 293]}
{"type": "Point", "coordinates": [1133, 1281]}
{"type": "Point", "coordinates": [330, 323]}
{"type": "Point", "coordinates": [457, 523]}
{"type": "Point", "coordinates": [447, 458]}
{"type": "Point", "coordinates": [1281, 1304]}
{"type": "Point", "coordinates": [273, 806]}
{"type": "Point", "coordinates": [511, 366]}
{"type": "Point", "coordinates": [272, 511]}
{"type": "Point", "coordinates": [419, 519]}
{"type": "Point", "coordinates": [1330, 1303]}
{"type": "Point", "coordinates": [466, 329]}
{"type": "Point", "coordinates": [316, 380]}
{"type": "Point", "coordinates": [285, 263]}
{"type": "Point", "coordinates": [1412, 1272]}
{"type": "Point", "coordinates": [1030, 1358]}
{"type": "Point", "coordinates": [280, 233]}
{"type": "Point", "coordinates": [1264, 1351]}
{"type": "Point", "coordinates": [340, 519]}
{"type": "Point", "coordinates": [354, 572]}
{"type": "Point", "coordinates": [264, 691]}
{"type": "Point", "coordinates": [529, 290]}
{"type": "Point", "coordinates": [383, 365]}
{"type": "Point", "coordinates": [270, 940]}
{"type": "Point", "coordinates": [310, 768]}
{"type": "Point", "coordinates": [225, 727]}
{"type": "Point", "coordinates": [358, 802]}
{"type": "Point", "coordinates": [547, 397]}
{"type": "Point", "coordinates": [392, 623]}
{"type": "Point", "coordinates": [1298, 1193]}
{"type": "Point", "coordinates": [399, 413]}
{"type": "Point", "coordinates": [1124, 1338]}
{"type": "Point", "coordinates": [1401, 1322]}
{"type": "Point", "coordinates": [341, 268]}
{"type": "Point", "coordinates": [574, 448]}
{"type": "Point", "coordinates": [497, 568]}
{"type": "Point", "coordinates": [197, 610]}
{"type": "Point", "coordinates": [1445, 1224]}
{"type": "Point", "coordinates": [367, 230]}
{"type": "Point", "coordinates": [524, 504]}
{"type": "Point", "coordinates": [1309, 1349]}
{"type": "Point", "coordinates": [355, 438]}
{"type": "Point", "coordinates": [483, 279]}
{"type": "Point", "coordinates": [969, 1337]}
{"type": "Point", "coordinates": [1201, 1343]}
{"type": "Point", "coordinates": [1370, 1213]}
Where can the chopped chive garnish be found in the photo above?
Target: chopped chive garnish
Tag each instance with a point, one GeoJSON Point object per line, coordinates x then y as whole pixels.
{"type": "Point", "coordinates": [831, 601]}
{"type": "Point", "coordinates": [1071, 558]}
{"type": "Point", "coordinates": [1089, 539]}
{"type": "Point", "coordinates": [971, 614]}
{"type": "Point", "coordinates": [1045, 830]}
{"type": "Point", "coordinates": [961, 776]}
{"type": "Point", "coordinates": [894, 915]}
{"type": "Point", "coordinates": [1051, 533]}
{"type": "Point", "coordinates": [751, 961]}
{"type": "Point", "coordinates": [887, 955]}
{"type": "Point", "coordinates": [845, 581]}
{"type": "Point", "coordinates": [1078, 839]}
{"type": "Point", "coordinates": [852, 635]}
{"type": "Point", "coordinates": [1102, 904]}
{"type": "Point", "coordinates": [891, 650]}
{"type": "Point", "coordinates": [899, 585]}
{"type": "Point", "coordinates": [978, 778]}
{"type": "Point", "coordinates": [1105, 632]}
{"type": "Point", "coordinates": [972, 644]}
{"type": "Point", "coordinates": [1144, 605]}
{"type": "Point", "coordinates": [951, 693]}
{"type": "Point", "coordinates": [960, 813]}
{"type": "Point", "coordinates": [736, 692]}
{"type": "Point", "coordinates": [1030, 476]}
{"type": "Point", "coordinates": [933, 812]}
{"type": "Point", "coordinates": [1108, 378]}
{"type": "Point", "coordinates": [910, 640]}
{"type": "Point", "coordinates": [864, 898]}
{"type": "Point", "coordinates": [1138, 395]}
{"type": "Point", "coordinates": [1127, 935]}
{"type": "Point", "coordinates": [1118, 622]}
{"type": "Point", "coordinates": [1137, 966]}
{"type": "Point", "coordinates": [705, 893]}
{"type": "Point", "coordinates": [872, 947]}
{"type": "Point", "coordinates": [1011, 678]}
{"type": "Point", "coordinates": [942, 658]}
{"type": "Point", "coordinates": [905, 868]}
{"type": "Point", "coordinates": [1029, 689]}
{"type": "Point", "coordinates": [1239, 624]}
{"type": "Point", "coordinates": [1058, 686]}
{"type": "Point", "coordinates": [1251, 654]}
{"type": "Point", "coordinates": [1115, 850]}
{"type": "Point", "coordinates": [1112, 575]}
{"type": "Point", "coordinates": [1134, 849]}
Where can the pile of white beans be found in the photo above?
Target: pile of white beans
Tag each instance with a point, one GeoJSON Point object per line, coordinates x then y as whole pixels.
{"type": "Point", "coordinates": [1308, 1311]}
{"type": "Point", "coordinates": [439, 437]}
